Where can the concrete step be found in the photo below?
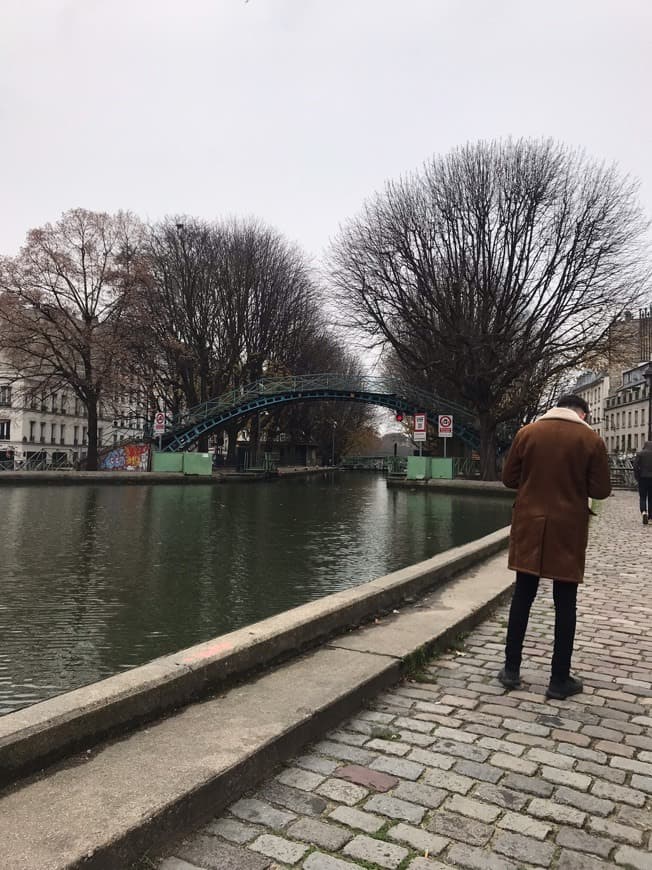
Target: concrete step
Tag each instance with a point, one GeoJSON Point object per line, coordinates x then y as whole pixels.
{"type": "Point", "coordinates": [110, 805]}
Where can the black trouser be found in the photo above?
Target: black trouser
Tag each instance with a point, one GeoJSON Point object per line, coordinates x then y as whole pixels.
{"type": "Point", "coordinates": [645, 494]}
{"type": "Point", "coordinates": [565, 598]}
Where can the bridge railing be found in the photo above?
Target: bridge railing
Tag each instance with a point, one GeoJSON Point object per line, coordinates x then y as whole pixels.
{"type": "Point", "coordinates": [380, 386]}
{"type": "Point", "coordinates": [622, 472]}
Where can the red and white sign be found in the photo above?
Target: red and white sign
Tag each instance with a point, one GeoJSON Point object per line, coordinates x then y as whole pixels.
{"type": "Point", "coordinates": [420, 426]}
{"type": "Point", "coordinates": [159, 423]}
{"type": "Point", "coordinates": [445, 426]}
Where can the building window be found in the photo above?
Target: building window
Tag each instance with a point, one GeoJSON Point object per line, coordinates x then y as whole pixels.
{"type": "Point", "coordinates": [54, 403]}
{"type": "Point", "coordinates": [64, 403]}
{"type": "Point", "coordinates": [636, 418]}
{"type": "Point", "coordinates": [42, 433]}
{"type": "Point", "coordinates": [75, 435]}
{"type": "Point", "coordinates": [53, 433]}
{"type": "Point", "coordinates": [84, 430]}
{"type": "Point", "coordinates": [5, 430]}
{"type": "Point", "coordinates": [32, 426]}
{"type": "Point", "coordinates": [62, 433]}
{"type": "Point", "coordinates": [629, 419]}
{"type": "Point", "coordinates": [5, 396]}
{"type": "Point", "coordinates": [76, 407]}
{"type": "Point", "coordinates": [636, 441]}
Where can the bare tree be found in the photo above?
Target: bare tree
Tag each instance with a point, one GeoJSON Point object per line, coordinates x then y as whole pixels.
{"type": "Point", "coordinates": [63, 305]}
{"type": "Point", "coordinates": [183, 342]}
{"type": "Point", "coordinates": [226, 303]}
{"type": "Point", "coordinates": [334, 426]}
{"type": "Point", "coordinates": [274, 296]}
{"type": "Point", "coordinates": [493, 270]}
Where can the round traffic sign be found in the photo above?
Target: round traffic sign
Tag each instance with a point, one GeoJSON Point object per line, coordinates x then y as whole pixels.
{"type": "Point", "coordinates": [445, 420]}
{"type": "Point", "coordinates": [159, 418]}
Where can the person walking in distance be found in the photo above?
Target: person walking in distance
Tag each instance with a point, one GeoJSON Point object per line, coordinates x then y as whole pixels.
{"type": "Point", "coordinates": [556, 464]}
{"type": "Point", "coordinates": [643, 475]}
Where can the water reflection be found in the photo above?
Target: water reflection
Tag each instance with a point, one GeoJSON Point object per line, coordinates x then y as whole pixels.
{"type": "Point", "coordinates": [99, 579]}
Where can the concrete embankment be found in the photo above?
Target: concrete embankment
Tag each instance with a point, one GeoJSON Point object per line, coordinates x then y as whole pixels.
{"type": "Point", "coordinates": [115, 478]}
{"type": "Point", "coordinates": [458, 486]}
{"type": "Point", "coordinates": [117, 799]}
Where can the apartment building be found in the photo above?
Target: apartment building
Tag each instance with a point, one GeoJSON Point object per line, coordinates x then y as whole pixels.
{"type": "Point", "coordinates": [39, 430]}
{"type": "Point", "coordinates": [630, 342]}
{"type": "Point", "coordinates": [594, 389]}
{"type": "Point", "coordinates": [626, 413]}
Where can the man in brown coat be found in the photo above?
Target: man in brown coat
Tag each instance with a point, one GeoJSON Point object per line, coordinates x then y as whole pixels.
{"type": "Point", "coordinates": [557, 464]}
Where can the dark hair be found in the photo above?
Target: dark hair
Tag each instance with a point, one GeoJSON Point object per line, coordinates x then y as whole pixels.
{"type": "Point", "coordinates": [571, 401]}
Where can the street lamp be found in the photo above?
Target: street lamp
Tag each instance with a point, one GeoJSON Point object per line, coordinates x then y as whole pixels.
{"type": "Point", "coordinates": [647, 374]}
{"type": "Point", "coordinates": [333, 445]}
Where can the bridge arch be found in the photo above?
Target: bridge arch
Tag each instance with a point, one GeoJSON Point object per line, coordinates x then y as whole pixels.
{"type": "Point", "coordinates": [267, 393]}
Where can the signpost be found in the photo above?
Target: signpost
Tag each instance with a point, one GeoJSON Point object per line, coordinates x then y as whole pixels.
{"type": "Point", "coordinates": [420, 428]}
{"type": "Point", "coordinates": [159, 427]}
{"type": "Point", "coordinates": [445, 428]}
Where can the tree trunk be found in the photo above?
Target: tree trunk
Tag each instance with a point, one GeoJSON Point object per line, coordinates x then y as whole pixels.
{"type": "Point", "coordinates": [232, 432]}
{"type": "Point", "coordinates": [91, 456]}
{"type": "Point", "coordinates": [202, 441]}
{"type": "Point", "coordinates": [254, 438]}
{"type": "Point", "coordinates": [488, 469]}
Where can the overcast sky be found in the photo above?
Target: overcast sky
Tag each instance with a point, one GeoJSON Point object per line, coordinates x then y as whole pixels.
{"type": "Point", "coordinates": [295, 110]}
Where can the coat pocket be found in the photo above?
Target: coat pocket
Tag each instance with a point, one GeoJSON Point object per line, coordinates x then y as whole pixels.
{"type": "Point", "coordinates": [527, 542]}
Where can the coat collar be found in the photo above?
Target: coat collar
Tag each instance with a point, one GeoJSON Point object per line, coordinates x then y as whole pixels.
{"type": "Point", "coordinates": [563, 414]}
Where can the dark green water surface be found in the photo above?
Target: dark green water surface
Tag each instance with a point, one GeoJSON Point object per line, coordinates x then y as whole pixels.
{"type": "Point", "coordinates": [98, 579]}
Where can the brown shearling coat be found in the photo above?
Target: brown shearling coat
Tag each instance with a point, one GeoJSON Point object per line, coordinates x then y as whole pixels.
{"type": "Point", "coordinates": [557, 464]}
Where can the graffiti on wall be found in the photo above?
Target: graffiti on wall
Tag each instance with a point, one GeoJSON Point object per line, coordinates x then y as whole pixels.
{"type": "Point", "coordinates": [127, 457]}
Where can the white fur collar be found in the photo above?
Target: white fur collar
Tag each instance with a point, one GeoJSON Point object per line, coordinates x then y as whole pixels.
{"type": "Point", "coordinates": [563, 414]}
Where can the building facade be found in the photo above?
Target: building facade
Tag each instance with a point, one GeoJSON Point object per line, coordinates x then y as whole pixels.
{"type": "Point", "coordinates": [39, 430]}
{"type": "Point", "coordinates": [594, 389]}
{"type": "Point", "coordinates": [618, 395]}
{"type": "Point", "coordinates": [626, 413]}
{"type": "Point", "coordinates": [630, 342]}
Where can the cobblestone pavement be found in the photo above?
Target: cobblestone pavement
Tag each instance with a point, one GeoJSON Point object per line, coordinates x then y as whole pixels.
{"type": "Point", "coordinates": [450, 770]}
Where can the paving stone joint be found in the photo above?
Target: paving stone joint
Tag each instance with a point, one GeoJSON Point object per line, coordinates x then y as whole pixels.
{"type": "Point", "coordinates": [449, 770]}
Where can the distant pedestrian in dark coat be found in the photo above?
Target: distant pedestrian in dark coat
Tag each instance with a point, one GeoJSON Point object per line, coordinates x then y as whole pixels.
{"type": "Point", "coordinates": [643, 475]}
{"type": "Point", "coordinates": [557, 464]}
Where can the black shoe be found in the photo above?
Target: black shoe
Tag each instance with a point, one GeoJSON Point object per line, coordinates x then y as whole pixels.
{"type": "Point", "coordinates": [645, 518]}
{"type": "Point", "coordinates": [509, 679]}
{"type": "Point", "coordinates": [562, 689]}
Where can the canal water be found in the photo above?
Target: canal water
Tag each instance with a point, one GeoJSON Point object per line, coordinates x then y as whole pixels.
{"type": "Point", "coordinates": [98, 579]}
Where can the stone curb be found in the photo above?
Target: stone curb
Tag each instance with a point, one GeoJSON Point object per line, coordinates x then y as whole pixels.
{"type": "Point", "coordinates": [46, 732]}
{"type": "Point", "coordinates": [136, 795]}
{"type": "Point", "coordinates": [457, 486]}
{"type": "Point", "coordinates": [197, 806]}
{"type": "Point", "coordinates": [139, 478]}
{"type": "Point", "coordinates": [101, 478]}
